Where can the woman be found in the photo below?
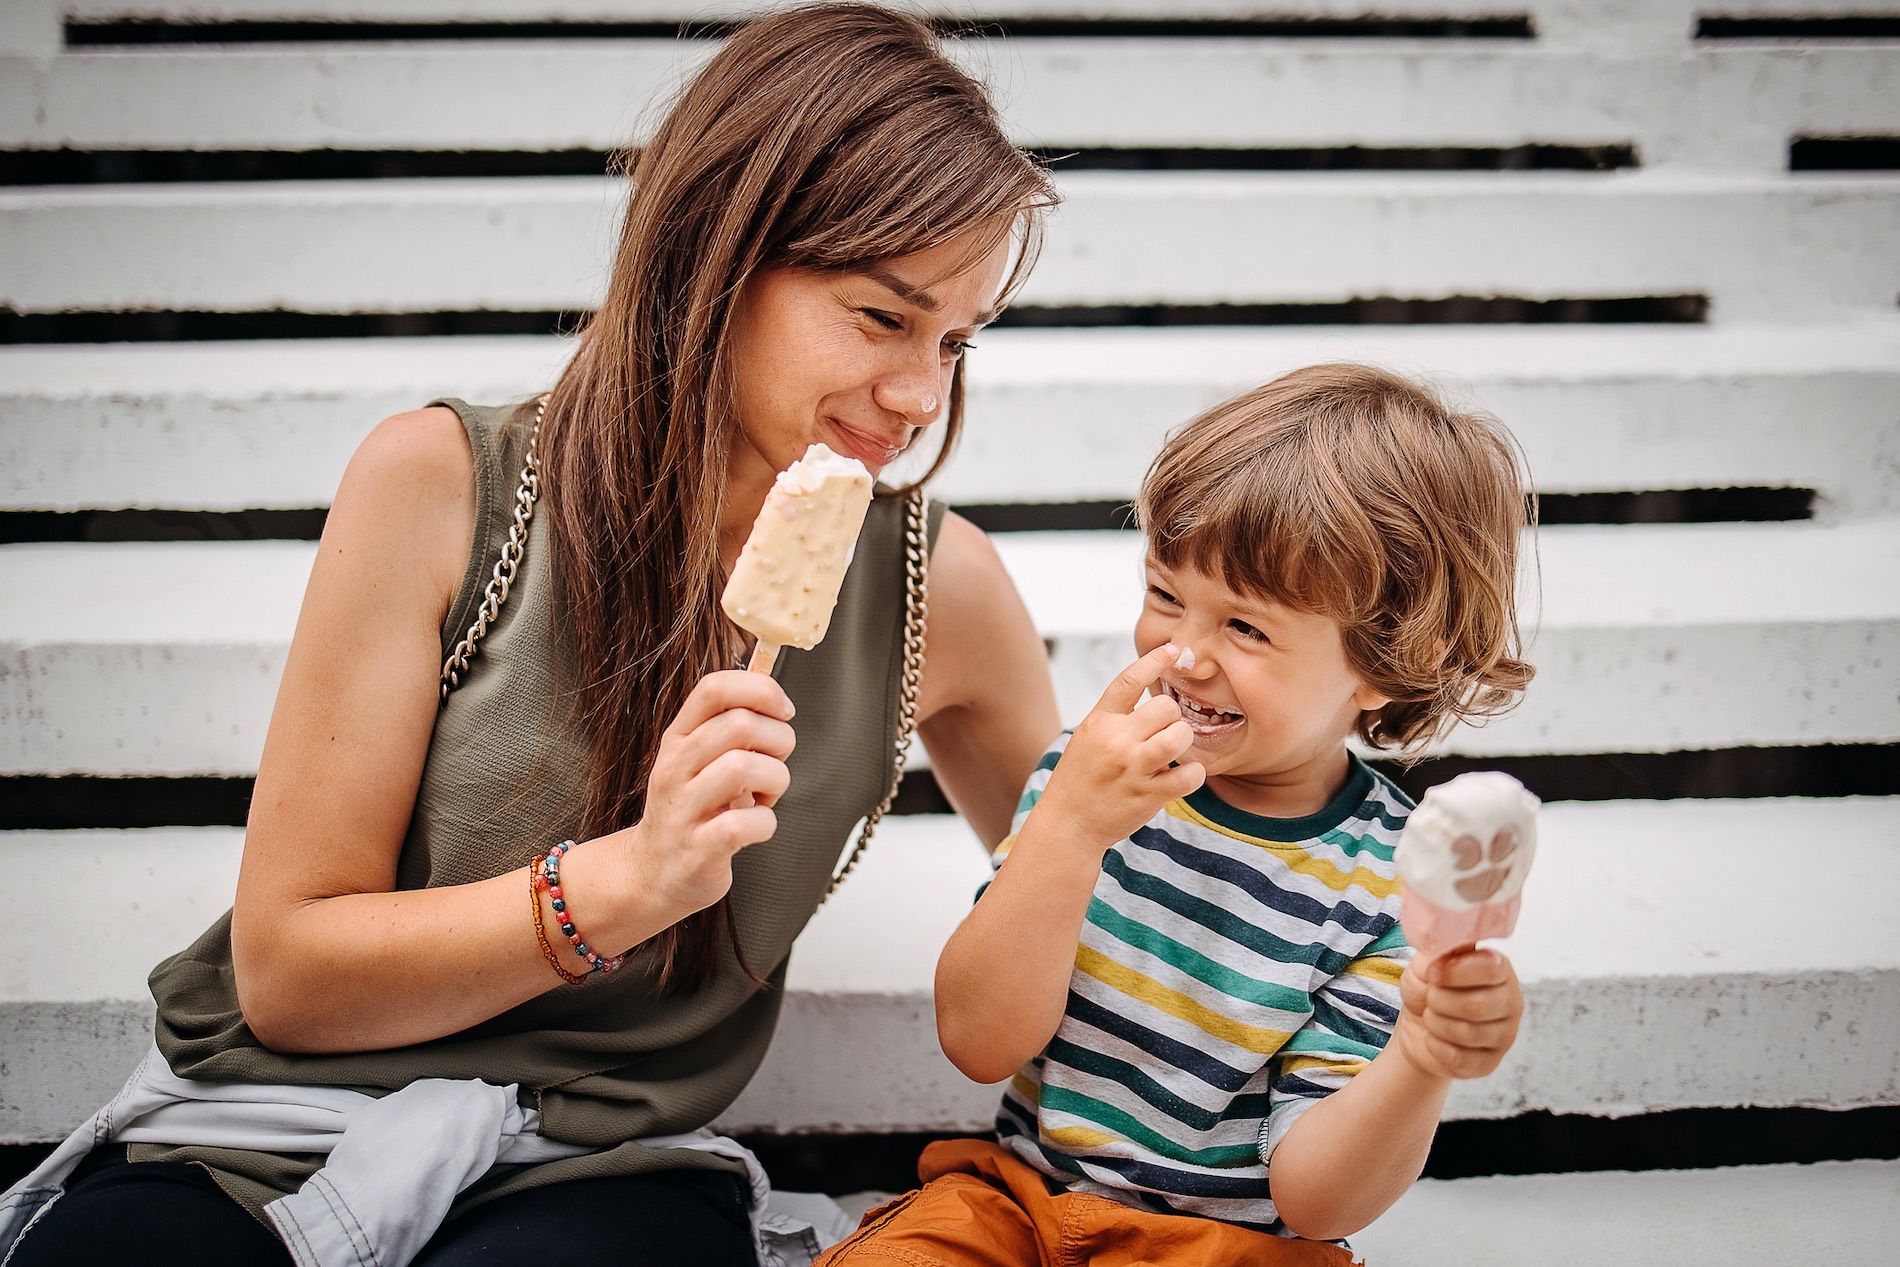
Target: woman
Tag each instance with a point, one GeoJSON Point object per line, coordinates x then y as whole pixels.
{"type": "Point", "coordinates": [817, 229]}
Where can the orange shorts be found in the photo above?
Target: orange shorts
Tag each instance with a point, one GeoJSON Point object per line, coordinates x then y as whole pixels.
{"type": "Point", "coordinates": [981, 1206]}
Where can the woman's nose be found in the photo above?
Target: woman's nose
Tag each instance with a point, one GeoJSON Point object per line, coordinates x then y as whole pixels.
{"type": "Point", "coordinates": [915, 391]}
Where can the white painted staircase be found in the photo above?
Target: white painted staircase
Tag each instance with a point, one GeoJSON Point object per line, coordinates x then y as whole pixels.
{"type": "Point", "coordinates": [1678, 953]}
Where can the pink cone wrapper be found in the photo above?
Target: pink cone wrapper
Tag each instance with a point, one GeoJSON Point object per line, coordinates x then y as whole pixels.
{"type": "Point", "coordinates": [1434, 930]}
{"type": "Point", "coordinates": [1462, 860]}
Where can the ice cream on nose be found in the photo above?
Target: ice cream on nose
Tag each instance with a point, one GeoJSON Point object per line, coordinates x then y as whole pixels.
{"type": "Point", "coordinates": [1462, 860]}
{"type": "Point", "coordinates": [786, 581]}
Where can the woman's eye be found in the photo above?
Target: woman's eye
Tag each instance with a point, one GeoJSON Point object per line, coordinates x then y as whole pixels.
{"type": "Point", "coordinates": [955, 348]}
{"type": "Point", "coordinates": [885, 319]}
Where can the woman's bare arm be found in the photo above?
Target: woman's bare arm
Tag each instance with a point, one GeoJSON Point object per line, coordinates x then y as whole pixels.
{"type": "Point", "coordinates": [326, 956]}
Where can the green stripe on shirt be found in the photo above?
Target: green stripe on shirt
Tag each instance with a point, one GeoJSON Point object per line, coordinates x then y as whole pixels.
{"type": "Point", "coordinates": [1191, 962]}
{"type": "Point", "coordinates": [1091, 1110]}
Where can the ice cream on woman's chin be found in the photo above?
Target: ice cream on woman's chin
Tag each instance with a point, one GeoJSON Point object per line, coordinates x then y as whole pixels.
{"type": "Point", "coordinates": [786, 581]}
{"type": "Point", "coordinates": [1462, 860]}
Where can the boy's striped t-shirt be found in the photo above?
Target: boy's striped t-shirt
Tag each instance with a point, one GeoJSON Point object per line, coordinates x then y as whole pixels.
{"type": "Point", "coordinates": [1233, 971]}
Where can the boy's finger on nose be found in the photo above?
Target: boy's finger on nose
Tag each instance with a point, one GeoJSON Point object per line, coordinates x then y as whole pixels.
{"type": "Point", "coordinates": [1133, 682]}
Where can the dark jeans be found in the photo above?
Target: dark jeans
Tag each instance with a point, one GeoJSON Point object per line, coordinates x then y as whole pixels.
{"type": "Point", "coordinates": [156, 1214]}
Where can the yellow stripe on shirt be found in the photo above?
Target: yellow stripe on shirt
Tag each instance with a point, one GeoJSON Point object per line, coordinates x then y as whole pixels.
{"type": "Point", "coordinates": [1331, 1064]}
{"type": "Point", "coordinates": [1298, 857]}
{"type": "Point", "coordinates": [1146, 989]}
{"type": "Point", "coordinates": [1376, 968]}
{"type": "Point", "coordinates": [1080, 1138]}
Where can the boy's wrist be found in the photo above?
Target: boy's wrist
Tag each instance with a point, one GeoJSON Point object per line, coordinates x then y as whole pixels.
{"type": "Point", "coordinates": [1053, 858]}
{"type": "Point", "coordinates": [1058, 829]}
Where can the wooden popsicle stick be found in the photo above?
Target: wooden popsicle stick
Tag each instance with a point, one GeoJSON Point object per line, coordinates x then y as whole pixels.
{"type": "Point", "coordinates": [764, 656]}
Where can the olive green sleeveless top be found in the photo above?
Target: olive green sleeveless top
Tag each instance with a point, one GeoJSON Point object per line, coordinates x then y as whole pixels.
{"type": "Point", "coordinates": [611, 1060]}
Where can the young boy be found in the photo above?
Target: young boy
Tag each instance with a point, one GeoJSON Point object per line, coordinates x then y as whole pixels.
{"type": "Point", "coordinates": [1189, 957]}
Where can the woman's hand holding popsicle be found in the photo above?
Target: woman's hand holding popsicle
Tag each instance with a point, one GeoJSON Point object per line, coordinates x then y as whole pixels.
{"type": "Point", "coordinates": [719, 771]}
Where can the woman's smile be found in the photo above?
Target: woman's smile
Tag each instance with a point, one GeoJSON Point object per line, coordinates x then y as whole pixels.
{"type": "Point", "coordinates": [861, 359]}
{"type": "Point", "coordinates": [876, 450]}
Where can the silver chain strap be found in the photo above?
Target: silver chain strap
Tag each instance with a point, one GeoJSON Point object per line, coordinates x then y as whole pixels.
{"type": "Point", "coordinates": [916, 616]}
{"type": "Point", "coordinates": [503, 579]}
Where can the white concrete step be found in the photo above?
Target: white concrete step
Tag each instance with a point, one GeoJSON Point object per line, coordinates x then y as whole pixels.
{"type": "Point", "coordinates": [1652, 638]}
{"type": "Point", "coordinates": [1614, 23]}
{"type": "Point", "coordinates": [1650, 981]}
{"type": "Point", "coordinates": [960, 10]}
{"type": "Point", "coordinates": [1714, 106]}
{"type": "Point", "coordinates": [713, 10]}
{"type": "Point", "coordinates": [1766, 248]}
{"type": "Point", "coordinates": [34, 25]}
{"type": "Point", "coordinates": [1055, 415]}
{"type": "Point", "coordinates": [163, 658]}
{"type": "Point", "coordinates": [1740, 1216]}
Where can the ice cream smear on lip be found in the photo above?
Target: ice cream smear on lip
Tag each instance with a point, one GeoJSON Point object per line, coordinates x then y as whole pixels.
{"type": "Point", "coordinates": [1462, 860]}
{"type": "Point", "coordinates": [808, 475]}
{"type": "Point", "coordinates": [786, 581]}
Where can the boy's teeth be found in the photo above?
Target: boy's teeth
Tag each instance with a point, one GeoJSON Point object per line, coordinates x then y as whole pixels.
{"type": "Point", "coordinates": [1202, 712]}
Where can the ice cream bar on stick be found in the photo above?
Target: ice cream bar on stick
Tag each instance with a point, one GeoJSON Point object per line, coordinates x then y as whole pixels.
{"type": "Point", "coordinates": [786, 582]}
{"type": "Point", "coordinates": [1462, 860]}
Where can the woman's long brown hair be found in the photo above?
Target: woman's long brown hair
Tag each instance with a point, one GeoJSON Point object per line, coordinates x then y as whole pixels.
{"type": "Point", "coordinates": [830, 137]}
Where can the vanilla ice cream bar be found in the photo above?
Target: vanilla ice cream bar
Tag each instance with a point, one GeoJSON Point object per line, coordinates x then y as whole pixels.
{"type": "Point", "coordinates": [1462, 860]}
{"type": "Point", "coordinates": [786, 581]}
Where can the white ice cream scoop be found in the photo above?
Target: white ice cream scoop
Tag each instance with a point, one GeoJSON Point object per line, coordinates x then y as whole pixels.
{"type": "Point", "coordinates": [1462, 860]}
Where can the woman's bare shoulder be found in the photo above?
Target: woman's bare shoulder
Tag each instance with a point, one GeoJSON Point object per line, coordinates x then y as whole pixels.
{"type": "Point", "coordinates": [409, 490]}
{"type": "Point", "coordinates": [422, 451]}
{"type": "Point", "coordinates": [964, 560]}
{"type": "Point", "coordinates": [978, 623]}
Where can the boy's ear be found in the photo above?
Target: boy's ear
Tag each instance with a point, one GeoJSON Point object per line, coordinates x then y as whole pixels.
{"type": "Point", "coordinates": [1365, 699]}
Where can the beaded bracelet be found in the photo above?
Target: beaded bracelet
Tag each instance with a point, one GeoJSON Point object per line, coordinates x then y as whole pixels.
{"type": "Point", "coordinates": [540, 928]}
{"type": "Point", "coordinates": [549, 877]}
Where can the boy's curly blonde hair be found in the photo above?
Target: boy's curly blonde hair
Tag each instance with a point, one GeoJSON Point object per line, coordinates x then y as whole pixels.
{"type": "Point", "coordinates": [1359, 495]}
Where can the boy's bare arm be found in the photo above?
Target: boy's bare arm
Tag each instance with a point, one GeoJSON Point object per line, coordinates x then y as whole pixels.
{"type": "Point", "coordinates": [1003, 979]}
{"type": "Point", "coordinates": [1352, 1155]}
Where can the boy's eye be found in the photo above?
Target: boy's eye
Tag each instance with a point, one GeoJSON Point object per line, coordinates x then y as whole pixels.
{"type": "Point", "coordinates": [1160, 595]}
{"type": "Point", "coordinates": [1247, 631]}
